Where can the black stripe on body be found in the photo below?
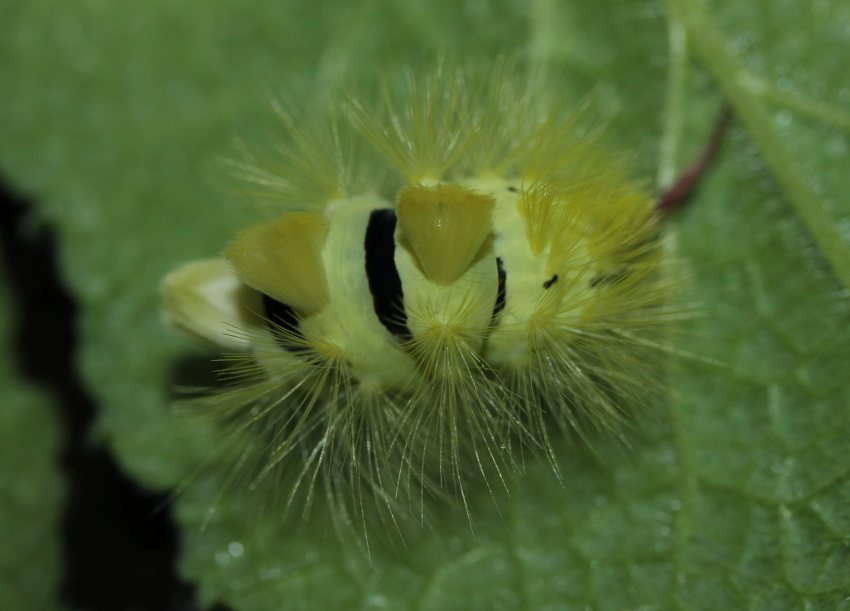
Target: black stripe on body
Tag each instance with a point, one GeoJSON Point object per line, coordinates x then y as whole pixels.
{"type": "Point", "coordinates": [283, 323]}
{"type": "Point", "coordinates": [382, 274]}
{"type": "Point", "coordinates": [502, 293]}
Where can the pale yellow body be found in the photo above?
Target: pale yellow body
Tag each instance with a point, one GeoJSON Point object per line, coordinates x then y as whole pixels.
{"type": "Point", "coordinates": [530, 279]}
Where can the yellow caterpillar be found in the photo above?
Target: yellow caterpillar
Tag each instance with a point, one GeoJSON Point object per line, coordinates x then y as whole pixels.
{"type": "Point", "coordinates": [449, 275]}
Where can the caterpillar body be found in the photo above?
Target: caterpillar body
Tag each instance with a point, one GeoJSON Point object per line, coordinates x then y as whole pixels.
{"type": "Point", "coordinates": [449, 275]}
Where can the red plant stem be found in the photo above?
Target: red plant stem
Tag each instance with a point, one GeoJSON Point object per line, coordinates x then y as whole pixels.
{"type": "Point", "coordinates": [683, 186]}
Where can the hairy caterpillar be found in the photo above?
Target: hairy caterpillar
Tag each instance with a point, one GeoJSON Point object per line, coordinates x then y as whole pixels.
{"type": "Point", "coordinates": [448, 276]}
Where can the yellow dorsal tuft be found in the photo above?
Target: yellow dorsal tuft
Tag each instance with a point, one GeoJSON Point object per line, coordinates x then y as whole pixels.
{"type": "Point", "coordinates": [283, 259]}
{"type": "Point", "coordinates": [542, 213]}
{"type": "Point", "coordinates": [445, 226]}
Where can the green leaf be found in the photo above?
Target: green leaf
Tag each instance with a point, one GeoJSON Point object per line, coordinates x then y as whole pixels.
{"type": "Point", "coordinates": [735, 496]}
{"type": "Point", "coordinates": [31, 483]}
{"type": "Point", "coordinates": [745, 92]}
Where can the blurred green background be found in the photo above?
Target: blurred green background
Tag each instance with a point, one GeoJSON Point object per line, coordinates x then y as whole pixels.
{"type": "Point", "coordinates": [113, 119]}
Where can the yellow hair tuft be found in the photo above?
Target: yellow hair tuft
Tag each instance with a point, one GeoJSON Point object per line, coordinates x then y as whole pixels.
{"type": "Point", "coordinates": [445, 225]}
{"type": "Point", "coordinates": [283, 259]}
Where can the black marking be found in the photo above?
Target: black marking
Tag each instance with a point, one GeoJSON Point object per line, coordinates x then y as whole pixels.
{"type": "Point", "coordinates": [283, 323]}
{"type": "Point", "coordinates": [501, 294]}
{"type": "Point", "coordinates": [513, 189]}
{"type": "Point", "coordinates": [550, 281]}
{"type": "Point", "coordinates": [382, 274]}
